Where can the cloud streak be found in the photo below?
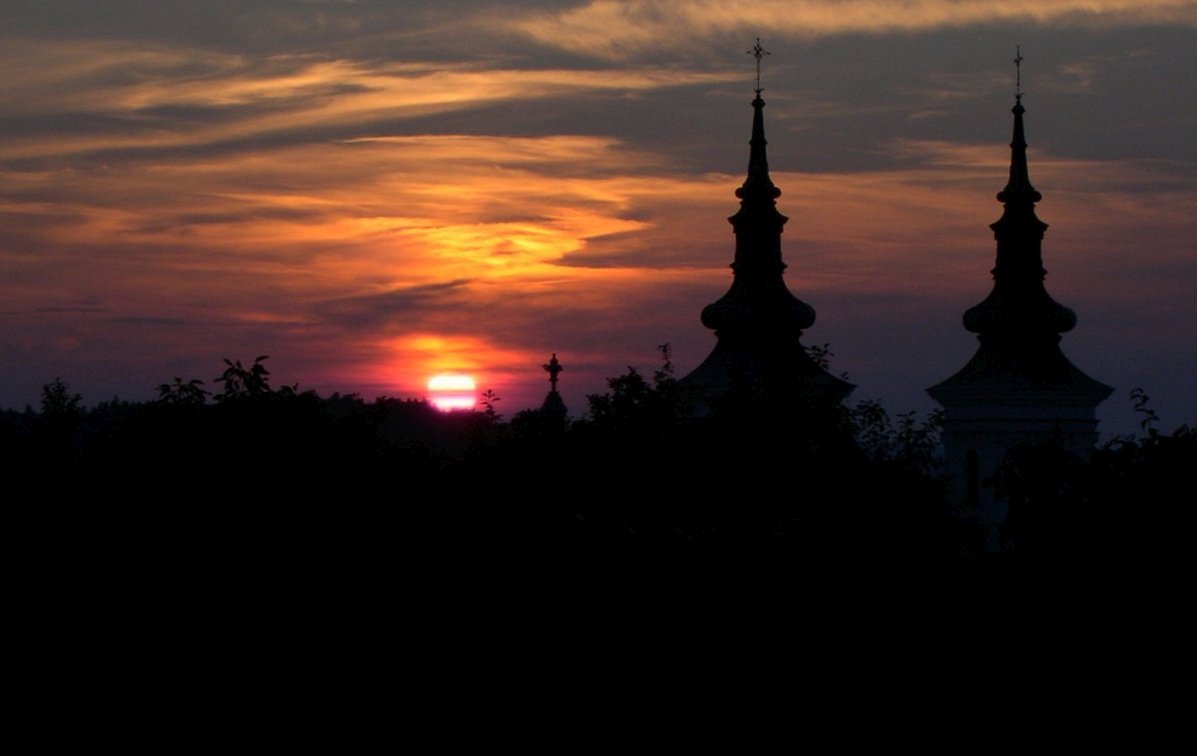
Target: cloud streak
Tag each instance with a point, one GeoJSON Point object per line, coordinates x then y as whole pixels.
{"type": "Point", "coordinates": [110, 98]}
{"type": "Point", "coordinates": [617, 29]}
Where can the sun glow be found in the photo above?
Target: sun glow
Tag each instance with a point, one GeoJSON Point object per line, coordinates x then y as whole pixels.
{"type": "Point", "coordinates": [452, 391]}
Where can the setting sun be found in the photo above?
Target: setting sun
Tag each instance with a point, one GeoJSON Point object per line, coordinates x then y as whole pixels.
{"type": "Point", "coordinates": [452, 391]}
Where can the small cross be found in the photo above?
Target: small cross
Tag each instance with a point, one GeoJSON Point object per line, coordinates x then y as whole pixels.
{"type": "Point", "coordinates": [553, 368]}
{"type": "Point", "coordinates": [1018, 70]}
{"type": "Point", "coordinates": [758, 52]}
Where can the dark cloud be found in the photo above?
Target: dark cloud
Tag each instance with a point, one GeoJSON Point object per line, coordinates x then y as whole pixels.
{"type": "Point", "coordinates": [17, 227]}
{"type": "Point", "coordinates": [629, 250]}
{"type": "Point", "coordinates": [149, 321]}
{"type": "Point", "coordinates": [81, 308]}
{"type": "Point", "coordinates": [247, 214]}
{"type": "Point", "coordinates": [374, 29]}
{"type": "Point", "coordinates": [391, 307]}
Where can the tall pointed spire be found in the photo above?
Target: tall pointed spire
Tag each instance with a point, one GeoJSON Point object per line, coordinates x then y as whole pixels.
{"type": "Point", "coordinates": [758, 224]}
{"type": "Point", "coordinates": [758, 188]}
{"type": "Point", "coordinates": [1019, 305]}
{"type": "Point", "coordinates": [758, 321]}
{"type": "Point", "coordinates": [1018, 189]}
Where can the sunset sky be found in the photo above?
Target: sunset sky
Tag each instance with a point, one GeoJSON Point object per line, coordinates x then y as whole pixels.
{"type": "Point", "coordinates": [372, 192]}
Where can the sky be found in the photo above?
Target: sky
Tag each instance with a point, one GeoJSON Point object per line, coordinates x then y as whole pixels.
{"type": "Point", "coordinates": [375, 192]}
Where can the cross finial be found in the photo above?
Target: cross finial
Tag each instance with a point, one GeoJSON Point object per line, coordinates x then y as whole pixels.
{"type": "Point", "coordinates": [758, 52]}
{"type": "Point", "coordinates": [1018, 71]}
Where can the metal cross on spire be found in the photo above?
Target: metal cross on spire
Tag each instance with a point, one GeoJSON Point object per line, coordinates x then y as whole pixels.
{"type": "Point", "coordinates": [1018, 71]}
{"type": "Point", "coordinates": [758, 52]}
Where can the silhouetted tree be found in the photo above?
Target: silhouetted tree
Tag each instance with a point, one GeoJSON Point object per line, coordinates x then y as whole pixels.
{"type": "Point", "coordinates": [241, 382]}
{"type": "Point", "coordinates": [636, 405]}
{"type": "Point", "coordinates": [1122, 510]}
{"type": "Point", "coordinates": [489, 401]}
{"type": "Point", "coordinates": [908, 441]}
{"type": "Point", "coordinates": [189, 393]}
{"type": "Point", "coordinates": [58, 402]}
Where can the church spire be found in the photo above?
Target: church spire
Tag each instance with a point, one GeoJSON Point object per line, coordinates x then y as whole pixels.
{"type": "Point", "coordinates": [758, 188]}
{"type": "Point", "coordinates": [1018, 189]}
{"type": "Point", "coordinates": [553, 408]}
{"type": "Point", "coordinates": [1019, 324]}
{"type": "Point", "coordinates": [1019, 386]}
{"type": "Point", "coordinates": [758, 322]}
{"type": "Point", "coordinates": [758, 267]}
{"type": "Point", "coordinates": [1019, 306]}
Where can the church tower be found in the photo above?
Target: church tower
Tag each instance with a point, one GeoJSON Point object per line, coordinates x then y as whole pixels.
{"type": "Point", "coordinates": [553, 408]}
{"type": "Point", "coordinates": [758, 322]}
{"type": "Point", "coordinates": [1018, 386]}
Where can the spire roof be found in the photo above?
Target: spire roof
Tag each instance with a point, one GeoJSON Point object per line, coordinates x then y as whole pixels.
{"type": "Point", "coordinates": [758, 322]}
{"type": "Point", "coordinates": [1019, 324]}
{"type": "Point", "coordinates": [1018, 190]}
{"type": "Point", "coordinates": [758, 299]}
{"type": "Point", "coordinates": [758, 188]}
{"type": "Point", "coordinates": [1019, 306]}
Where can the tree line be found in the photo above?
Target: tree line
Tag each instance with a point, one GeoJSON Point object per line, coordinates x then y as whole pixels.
{"type": "Point", "coordinates": [634, 498]}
